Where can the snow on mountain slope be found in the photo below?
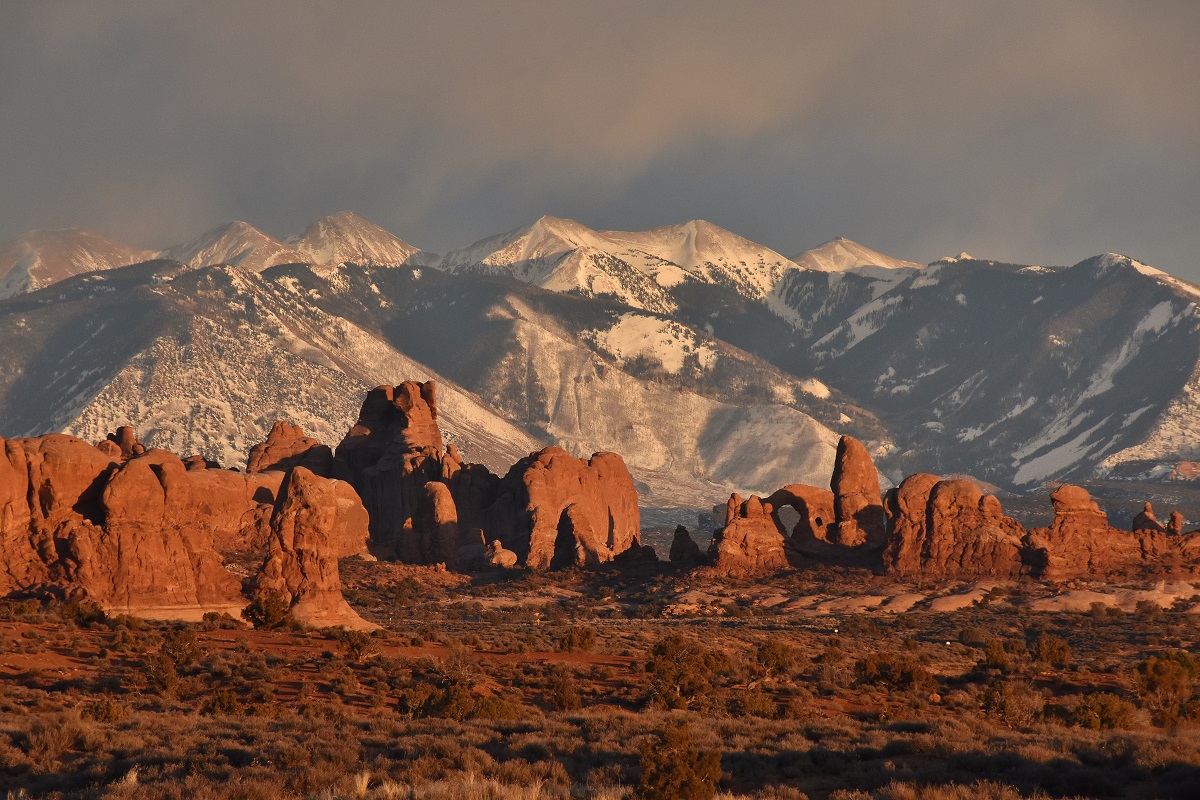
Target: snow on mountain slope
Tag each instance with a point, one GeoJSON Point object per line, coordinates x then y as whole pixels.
{"type": "Point", "coordinates": [236, 243]}
{"type": "Point", "coordinates": [685, 449]}
{"type": "Point", "coordinates": [348, 238]}
{"type": "Point", "coordinates": [40, 258]}
{"type": "Point", "coordinates": [563, 256]}
{"type": "Point", "coordinates": [205, 360]}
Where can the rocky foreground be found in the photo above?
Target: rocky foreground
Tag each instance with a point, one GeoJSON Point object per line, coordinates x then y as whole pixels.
{"type": "Point", "coordinates": [145, 531]}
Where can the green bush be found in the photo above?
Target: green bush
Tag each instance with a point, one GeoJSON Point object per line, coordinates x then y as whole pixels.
{"type": "Point", "coordinates": [268, 610]}
{"type": "Point", "coordinates": [754, 703]}
{"type": "Point", "coordinates": [671, 769]}
{"type": "Point", "coordinates": [775, 657]}
{"type": "Point", "coordinates": [221, 702]}
{"type": "Point", "coordinates": [1052, 650]}
{"type": "Point", "coordinates": [1102, 711]}
{"type": "Point", "coordinates": [1164, 683]}
{"type": "Point", "coordinates": [893, 671]}
{"type": "Point", "coordinates": [564, 690]}
{"type": "Point", "coordinates": [681, 670]}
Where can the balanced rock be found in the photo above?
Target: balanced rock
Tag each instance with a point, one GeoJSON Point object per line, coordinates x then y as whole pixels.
{"type": "Point", "coordinates": [498, 556]}
{"type": "Point", "coordinates": [287, 446]}
{"type": "Point", "coordinates": [1146, 521]}
{"type": "Point", "coordinates": [859, 517]}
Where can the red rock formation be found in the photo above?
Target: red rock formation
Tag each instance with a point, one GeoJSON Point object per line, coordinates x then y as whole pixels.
{"type": "Point", "coordinates": [122, 444]}
{"type": "Point", "coordinates": [1146, 521]}
{"type": "Point", "coordinates": [554, 510]}
{"type": "Point", "coordinates": [949, 529]}
{"type": "Point", "coordinates": [1175, 524]}
{"type": "Point", "coordinates": [1185, 471]}
{"type": "Point", "coordinates": [750, 540]}
{"type": "Point", "coordinates": [287, 446]}
{"type": "Point", "coordinates": [684, 549]}
{"type": "Point", "coordinates": [145, 535]}
{"type": "Point", "coordinates": [1080, 542]}
{"type": "Point", "coordinates": [815, 507]}
{"type": "Point", "coordinates": [308, 529]}
{"type": "Point", "coordinates": [859, 517]}
{"type": "Point", "coordinates": [389, 456]}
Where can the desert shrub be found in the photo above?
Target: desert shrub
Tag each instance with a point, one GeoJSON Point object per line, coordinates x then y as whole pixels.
{"type": "Point", "coordinates": [268, 610]}
{"type": "Point", "coordinates": [1164, 683]}
{"type": "Point", "coordinates": [564, 690]}
{"type": "Point", "coordinates": [671, 769]}
{"type": "Point", "coordinates": [893, 671]}
{"type": "Point", "coordinates": [460, 666]}
{"type": "Point", "coordinates": [82, 613]}
{"type": "Point", "coordinates": [681, 670]}
{"type": "Point", "coordinates": [495, 707]}
{"type": "Point", "coordinates": [972, 636]}
{"type": "Point", "coordinates": [221, 702]}
{"type": "Point", "coordinates": [356, 645]}
{"type": "Point", "coordinates": [1052, 651]}
{"type": "Point", "coordinates": [179, 645]}
{"type": "Point", "coordinates": [775, 657]}
{"type": "Point", "coordinates": [219, 620]}
{"type": "Point", "coordinates": [754, 703]}
{"type": "Point", "coordinates": [1102, 711]}
{"type": "Point", "coordinates": [1147, 610]}
{"type": "Point", "coordinates": [105, 709]}
{"type": "Point", "coordinates": [577, 639]}
{"type": "Point", "coordinates": [1014, 702]}
{"type": "Point", "coordinates": [995, 656]}
{"type": "Point", "coordinates": [47, 738]}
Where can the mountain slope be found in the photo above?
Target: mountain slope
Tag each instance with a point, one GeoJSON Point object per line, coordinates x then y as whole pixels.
{"type": "Point", "coordinates": [40, 258]}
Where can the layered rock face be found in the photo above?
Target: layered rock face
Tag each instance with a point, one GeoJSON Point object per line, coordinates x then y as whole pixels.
{"type": "Point", "coordinates": [427, 505]}
{"type": "Point", "coordinates": [143, 533]}
{"type": "Point", "coordinates": [943, 529]}
{"type": "Point", "coordinates": [684, 549]}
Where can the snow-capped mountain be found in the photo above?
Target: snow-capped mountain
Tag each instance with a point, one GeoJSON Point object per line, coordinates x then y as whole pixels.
{"type": "Point", "coordinates": [40, 258]}
{"type": "Point", "coordinates": [236, 243]}
{"type": "Point", "coordinates": [348, 238]}
{"type": "Point", "coordinates": [711, 363]}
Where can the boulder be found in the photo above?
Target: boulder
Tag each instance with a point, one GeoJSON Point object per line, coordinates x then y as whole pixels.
{"type": "Point", "coordinates": [498, 556]}
{"type": "Point", "coordinates": [859, 517]}
{"type": "Point", "coordinates": [287, 446]}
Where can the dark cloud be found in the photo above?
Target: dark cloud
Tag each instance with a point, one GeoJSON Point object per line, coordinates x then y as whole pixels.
{"type": "Point", "coordinates": [1030, 131]}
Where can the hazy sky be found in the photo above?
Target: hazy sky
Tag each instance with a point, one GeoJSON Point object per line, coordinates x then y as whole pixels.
{"type": "Point", "coordinates": [1040, 132]}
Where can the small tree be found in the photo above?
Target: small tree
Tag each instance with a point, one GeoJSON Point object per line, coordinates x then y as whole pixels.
{"type": "Point", "coordinates": [577, 639]}
{"type": "Point", "coordinates": [267, 610]}
{"type": "Point", "coordinates": [1165, 684]}
{"type": "Point", "coordinates": [673, 770]}
{"type": "Point", "coordinates": [1052, 651]}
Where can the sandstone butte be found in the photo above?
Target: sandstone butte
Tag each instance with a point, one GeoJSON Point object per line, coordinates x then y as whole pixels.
{"type": "Point", "coordinates": [940, 529]}
{"type": "Point", "coordinates": [428, 506]}
{"type": "Point", "coordinates": [137, 531]}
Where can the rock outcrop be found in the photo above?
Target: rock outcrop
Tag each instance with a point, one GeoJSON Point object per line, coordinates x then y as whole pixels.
{"type": "Point", "coordinates": [949, 529]}
{"type": "Point", "coordinates": [555, 510]}
{"type": "Point", "coordinates": [287, 446]}
{"type": "Point", "coordinates": [859, 516]}
{"type": "Point", "coordinates": [308, 535]}
{"type": "Point", "coordinates": [810, 533]}
{"type": "Point", "coordinates": [143, 534]}
{"type": "Point", "coordinates": [684, 549]}
{"type": "Point", "coordinates": [750, 540]}
{"type": "Point", "coordinates": [1146, 521]}
{"type": "Point", "coordinates": [427, 505]}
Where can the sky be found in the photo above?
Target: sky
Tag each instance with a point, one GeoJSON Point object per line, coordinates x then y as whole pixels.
{"type": "Point", "coordinates": [1031, 132]}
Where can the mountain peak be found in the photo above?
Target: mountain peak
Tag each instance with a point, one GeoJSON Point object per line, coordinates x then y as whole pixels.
{"type": "Point", "coordinates": [236, 243]}
{"type": "Point", "coordinates": [842, 254]}
{"type": "Point", "coordinates": [350, 238]}
{"type": "Point", "coordinates": [42, 257]}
